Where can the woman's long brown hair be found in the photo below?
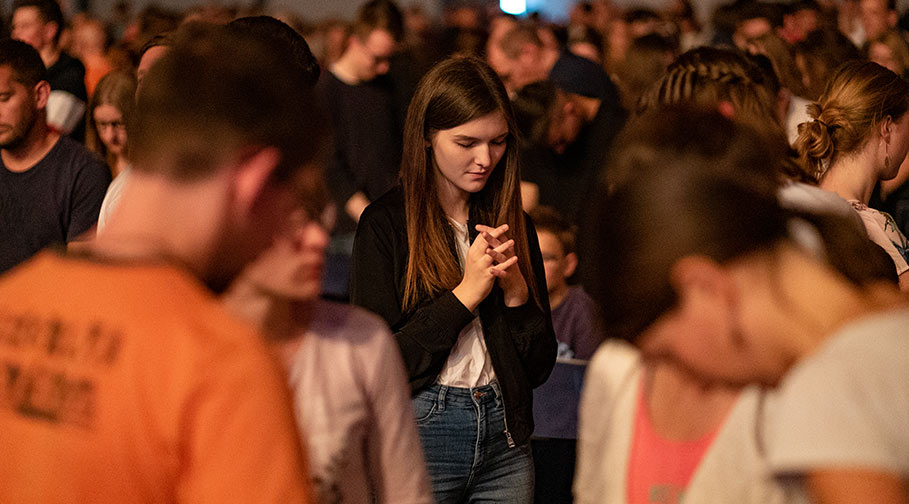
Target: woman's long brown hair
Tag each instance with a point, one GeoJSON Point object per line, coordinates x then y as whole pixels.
{"type": "Point", "coordinates": [452, 93]}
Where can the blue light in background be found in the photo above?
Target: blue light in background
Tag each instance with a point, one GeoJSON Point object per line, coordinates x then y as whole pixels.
{"type": "Point", "coordinates": [513, 7]}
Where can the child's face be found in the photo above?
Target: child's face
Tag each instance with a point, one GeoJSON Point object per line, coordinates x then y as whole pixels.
{"type": "Point", "coordinates": [554, 261]}
{"type": "Point", "coordinates": [564, 125]}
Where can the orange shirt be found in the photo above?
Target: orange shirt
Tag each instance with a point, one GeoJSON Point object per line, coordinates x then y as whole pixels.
{"type": "Point", "coordinates": [129, 383]}
{"type": "Point", "coordinates": [660, 469]}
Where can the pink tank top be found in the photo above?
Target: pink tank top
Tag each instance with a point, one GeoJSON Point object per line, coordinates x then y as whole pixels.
{"type": "Point", "coordinates": [659, 469]}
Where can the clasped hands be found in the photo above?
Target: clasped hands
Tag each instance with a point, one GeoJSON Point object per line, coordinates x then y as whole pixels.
{"type": "Point", "coordinates": [490, 259]}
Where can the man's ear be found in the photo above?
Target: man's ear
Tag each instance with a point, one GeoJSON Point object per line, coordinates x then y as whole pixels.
{"type": "Point", "coordinates": [252, 173]}
{"type": "Point", "coordinates": [42, 93]}
{"type": "Point", "coordinates": [571, 264]}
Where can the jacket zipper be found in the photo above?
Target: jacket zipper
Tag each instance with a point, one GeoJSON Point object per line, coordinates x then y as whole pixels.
{"type": "Point", "coordinates": [505, 417]}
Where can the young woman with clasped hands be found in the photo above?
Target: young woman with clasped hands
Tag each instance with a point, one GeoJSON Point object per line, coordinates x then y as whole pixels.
{"type": "Point", "coordinates": [451, 262]}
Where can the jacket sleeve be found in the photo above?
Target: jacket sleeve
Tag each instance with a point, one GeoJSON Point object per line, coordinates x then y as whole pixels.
{"type": "Point", "coordinates": [425, 335]}
{"type": "Point", "coordinates": [531, 325]}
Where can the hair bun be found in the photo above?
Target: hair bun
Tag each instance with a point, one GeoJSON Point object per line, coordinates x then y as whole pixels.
{"type": "Point", "coordinates": [816, 143]}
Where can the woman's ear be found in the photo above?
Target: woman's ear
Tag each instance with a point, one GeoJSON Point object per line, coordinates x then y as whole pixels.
{"type": "Point", "coordinates": [885, 127]}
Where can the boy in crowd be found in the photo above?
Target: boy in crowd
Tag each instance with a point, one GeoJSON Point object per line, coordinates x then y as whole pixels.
{"type": "Point", "coordinates": [573, 311]}
{"type": "Point", "coordinates": [555, 407]}
{"type": "Point", "coordinates": [123, 377]}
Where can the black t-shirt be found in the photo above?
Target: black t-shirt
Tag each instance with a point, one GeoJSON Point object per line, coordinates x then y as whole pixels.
{"type": "Point", "coordinates": [367, 153]}
{"type": "Point", "coordinates": [51, 203]}
{"type": "Point", "coordinates": [68, 74]}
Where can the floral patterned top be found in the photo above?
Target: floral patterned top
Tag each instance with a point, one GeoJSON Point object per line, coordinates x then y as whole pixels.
{"type": "Point", "coordinates": [882, 230]}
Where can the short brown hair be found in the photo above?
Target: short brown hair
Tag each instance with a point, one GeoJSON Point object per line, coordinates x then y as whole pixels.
{"type": "Point", "coordinates": [549, 220]}
{"type": "Point", "coordinates": [378, 15]}
{"type": "Point", "coordinates": [516, 37]}
{"type": "Point", "coordinates": [25, 62]}
{"type": "Point", "coordinates": [49, 10]}
{"type": "Point", "coordinates": [198, 107]}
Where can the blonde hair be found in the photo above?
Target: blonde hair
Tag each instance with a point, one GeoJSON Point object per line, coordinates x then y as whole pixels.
{"type": "Point", "coordinates": [858, 97]}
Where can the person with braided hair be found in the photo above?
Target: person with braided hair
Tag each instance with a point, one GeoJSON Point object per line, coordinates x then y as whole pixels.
{"type": "Point", "coordinates": [859, 135]}
{"type": "Point", "coordinates": [733, 83]}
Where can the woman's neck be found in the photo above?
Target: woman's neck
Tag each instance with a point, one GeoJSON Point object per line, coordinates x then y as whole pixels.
{"type": "Point", "coordinates": [682, 408]}
{"type": "Point", "coordinates": [852, 177]}
{"type": "Point", "coordinates": [121, 163]}
{"type": "Point", "coordinates": [454, 201]}
{"type": "Point", "coordinates": [279, 318]}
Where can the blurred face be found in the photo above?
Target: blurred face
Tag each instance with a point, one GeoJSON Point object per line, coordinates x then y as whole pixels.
{"type": "Point", "coordinates": [875, 18]}
{"type": "Point", "coordinates": [495, 57]}
{"type": "Point", "coordinates": [18, 110]}
{"type": "Point", "coordinates": [565, 124]}
{"type": "Point", "coordinates": [29, 27]}
{"type": "Point", "coordinates": [111, 128]}
{"type": "Point", "coordinates": [500, 63]}
{"type": "Point", "coordinates": [749, 30]}
{"type": "Point", "coordinates": [373, 54]}
{"type": "Point", "coordinates": [527, 67]}
{"type": "Point", "coordinates": [292, 267]}
{"type": "Point", "coordinates": [883, 56]}
{"type": "Point", "coordinates": [721, 328]}
{"type": "Point", "coordinates": [804, 22]}
{"type": "Point", "coordinates": [464, 156]}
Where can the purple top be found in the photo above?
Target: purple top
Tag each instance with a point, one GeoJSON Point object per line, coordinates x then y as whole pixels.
{"type": "Point", "coordinates": [576, 325]}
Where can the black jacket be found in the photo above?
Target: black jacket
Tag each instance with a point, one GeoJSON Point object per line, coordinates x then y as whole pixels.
{"type": "Point", "coordinates": [520, 340]}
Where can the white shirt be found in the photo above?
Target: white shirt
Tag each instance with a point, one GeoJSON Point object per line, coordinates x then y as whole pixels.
{"type": "Point", "coordinates": [468, 364]}
{"type": "Point", "coordinates": [352, 405]}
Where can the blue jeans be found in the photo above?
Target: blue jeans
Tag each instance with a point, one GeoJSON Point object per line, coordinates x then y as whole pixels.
{"type": "Point", "coordinates": [463, 436]}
